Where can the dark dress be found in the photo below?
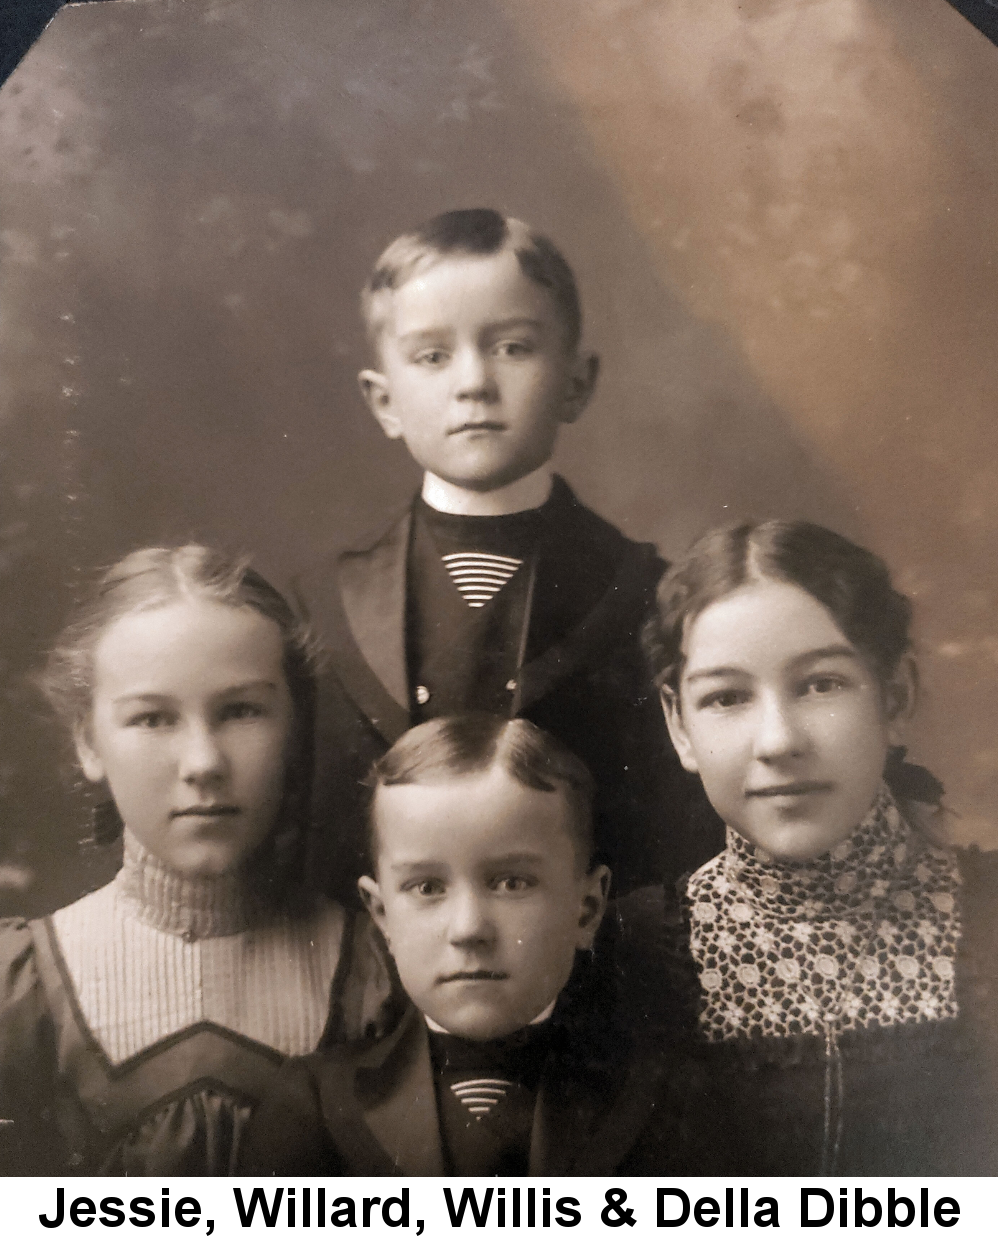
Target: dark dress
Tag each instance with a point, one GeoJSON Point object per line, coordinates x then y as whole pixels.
{"type": "Point", "coordinates": [131, 1047]}
{"type": "Point", "coordinates": [918, 1098]}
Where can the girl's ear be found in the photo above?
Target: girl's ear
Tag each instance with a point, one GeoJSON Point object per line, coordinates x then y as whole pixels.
{"type": "Point", "coordinates": [87, 756]}
{"type": "Point", "coordinates": [593, 906]}
{"type": "Point", "coordinates": [377, 396]}
{"type": "Point", "coordinates": [581, 385]}
{"type": "Point", "coordinates": [370, 895]}
{"type": "Point", "coordinates": [674, 722]}
{"type": "Point", "coordinates": [900, 696]}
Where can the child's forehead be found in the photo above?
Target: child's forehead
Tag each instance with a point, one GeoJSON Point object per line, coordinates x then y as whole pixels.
{"type": "Point", "coordinates": [462, 819]}
{"type": "Point", "coordinates": [764, 621]}
{"type": "Point", "coordinates": [456, 285]}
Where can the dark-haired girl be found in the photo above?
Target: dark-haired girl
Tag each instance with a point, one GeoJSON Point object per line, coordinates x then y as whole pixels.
{"type": "Point", "coordinates": [140, 1025]}
{"type": "Point", "coordinates": [839, 960]}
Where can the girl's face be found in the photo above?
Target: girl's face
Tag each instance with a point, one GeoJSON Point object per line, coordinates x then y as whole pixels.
{"type": "Point", "coordinates": [783, 719]}
{"type": "Point", "coordinates": [190, 726]}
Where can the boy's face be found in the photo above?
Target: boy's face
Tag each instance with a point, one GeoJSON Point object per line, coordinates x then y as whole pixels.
{"type": "Point", "coordinates": [476, 377]}
{"type": "Point", "coordinates": [482, 898]}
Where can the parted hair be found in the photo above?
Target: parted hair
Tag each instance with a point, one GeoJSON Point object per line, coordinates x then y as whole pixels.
{"type": "Point", "coordinates": [473, 232]}
{"type": "Point", "coordinates": [158, 576]}
{"type": "Point", "coordinates": [468, 744]}
{"type": "Point", "coordinates": [852, 583]}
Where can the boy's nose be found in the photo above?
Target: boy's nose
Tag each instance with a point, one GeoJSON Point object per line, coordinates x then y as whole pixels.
{"type": "Point", "coordinates": [202, 761]}
{"type": "Point", "coordinates": [474, 379]}
{"type": "Point", "coordinates": [779, 730]}
{"type": "Point", "coordinates": [469, 921]}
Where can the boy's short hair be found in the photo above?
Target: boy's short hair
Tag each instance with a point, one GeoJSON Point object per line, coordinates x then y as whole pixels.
{"type": "Point", "coordinates": [463, 745]}
{"type": "Point", "coordinates": [473, 232]}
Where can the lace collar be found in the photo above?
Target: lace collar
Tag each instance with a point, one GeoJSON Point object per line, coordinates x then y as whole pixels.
{"type": "Point", "coordinates": [851, 877]}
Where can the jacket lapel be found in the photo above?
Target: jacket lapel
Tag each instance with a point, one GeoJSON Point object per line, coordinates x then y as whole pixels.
{"type": "Point", "coordinates": [373, 586]}
{"type": "Point", "coordinates": [611, 622]}
{"type": "Point", "coordinates": [363, 616]}
{"type": "Point", "coordinates": [586, 1122]}
{"type": "Point", "coordinates": [399, 1102]}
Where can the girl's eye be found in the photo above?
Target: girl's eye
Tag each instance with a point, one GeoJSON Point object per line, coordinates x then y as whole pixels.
{"type": "Point", "coordinates": [242, 710]}
{"type": "Point", "coordinates": [723, 699]}
{"type": "Point", "coordinates": [823, 684]}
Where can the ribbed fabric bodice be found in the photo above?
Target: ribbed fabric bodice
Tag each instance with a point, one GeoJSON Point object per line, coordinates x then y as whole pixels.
{"type": "Point", "coordinates": [155, 952]}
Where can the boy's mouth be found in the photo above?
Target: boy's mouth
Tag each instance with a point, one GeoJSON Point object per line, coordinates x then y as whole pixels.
{"type": "Point", "coordinates": [479, 426]}
{"type": "Point", "coordinates": [471, 975]}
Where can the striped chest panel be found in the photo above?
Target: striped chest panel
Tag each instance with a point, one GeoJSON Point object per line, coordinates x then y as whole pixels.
{"type": "Point", "coordinates": [478, 577]}
{"type": "Point", "coordinates": [136, 985]}
{"type": "Point", "coordinates": [479, 1096]}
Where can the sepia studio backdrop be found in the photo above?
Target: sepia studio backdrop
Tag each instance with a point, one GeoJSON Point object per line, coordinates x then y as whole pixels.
{"type": "Point", "coordinates": [782, 213]}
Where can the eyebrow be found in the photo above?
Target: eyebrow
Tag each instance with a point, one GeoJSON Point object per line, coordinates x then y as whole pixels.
{"type": "Point", "coordinates": [232, 691]}
{"type": "Point", "coordinates": [435, 332]}
{"type": "Point", "coordinates": [526, 857]}
{"type": "Point", "coordinates": [800, 660]}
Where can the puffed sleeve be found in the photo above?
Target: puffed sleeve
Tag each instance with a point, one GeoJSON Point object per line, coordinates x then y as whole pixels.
{"type": "Point", "coordinates": [368, 999]}
{"type": "Point", "coordinates": [29, 1140]}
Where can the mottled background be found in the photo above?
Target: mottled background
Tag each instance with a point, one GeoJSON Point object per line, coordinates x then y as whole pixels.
{"type": "Point", "coordinates": [782, 212]}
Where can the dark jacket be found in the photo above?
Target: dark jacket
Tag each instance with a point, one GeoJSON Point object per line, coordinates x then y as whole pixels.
{"type": "Point", "coordinates": [590, 688]}
{"type": "Point", "coordinates": [605, 1105]}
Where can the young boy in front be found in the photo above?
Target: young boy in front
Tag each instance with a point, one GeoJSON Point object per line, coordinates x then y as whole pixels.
{"type": "Point", "coordinates": [496, 590]}
{"type": "Point", "coordinates": [512, 1057]}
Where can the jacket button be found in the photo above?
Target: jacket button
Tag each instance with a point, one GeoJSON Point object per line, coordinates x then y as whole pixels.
{"type": "Point", "coordinates": [510, 685]}
{"type": "Point", "coordinates": [422, 695]}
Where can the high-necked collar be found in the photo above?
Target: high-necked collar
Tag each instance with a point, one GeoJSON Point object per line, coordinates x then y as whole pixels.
{"type": "Point", "coordinates": [194, 907]}
{"type": "Point", "coordinates": [852, 876]}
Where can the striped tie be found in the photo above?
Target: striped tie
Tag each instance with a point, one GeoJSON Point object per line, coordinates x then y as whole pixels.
{"type": "Point", "coordinates": [479, 577]}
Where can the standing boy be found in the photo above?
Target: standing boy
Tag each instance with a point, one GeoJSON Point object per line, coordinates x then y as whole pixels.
{"type": "Point", "coordinates": [513, 1057]}
{"type": "Point", "coordinates": [496, 590]}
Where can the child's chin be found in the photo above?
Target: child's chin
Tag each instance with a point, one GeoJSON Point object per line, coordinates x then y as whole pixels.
{"type": "Point", "coordinates": [480, 1024]}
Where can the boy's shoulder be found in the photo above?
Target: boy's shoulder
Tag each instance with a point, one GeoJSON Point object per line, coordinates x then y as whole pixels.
{"type": "Point", "coordinates": [591, 556]}
{"type": "Point", "coordinates": [564, 511]}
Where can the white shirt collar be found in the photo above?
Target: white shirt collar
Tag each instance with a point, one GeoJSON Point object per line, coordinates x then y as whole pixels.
{"type": "Point", "coordinates": [544, 1015]}
{"type": "Point", "coordinates": [529, 492]}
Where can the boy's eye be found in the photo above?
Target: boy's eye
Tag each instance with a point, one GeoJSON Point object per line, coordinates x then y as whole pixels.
{"type": "Point", "coordinates": [514, 348]}
{"type": "Point", "coordinates": [512, 884]}
{"type": "Point", "coordinates": [425, 888]}
{"type": "Point", "coordinates": [432, 357]}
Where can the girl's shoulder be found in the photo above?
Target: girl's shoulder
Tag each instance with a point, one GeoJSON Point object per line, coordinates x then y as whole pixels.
{"type": "Point", "coordinates": [367, 996]}
{"type": "Point", "coordinates": [978, 905]}
{"type": "Point", "coordinates": [655, 971]}
{"type": "Point", "coordinates": [18, 961]}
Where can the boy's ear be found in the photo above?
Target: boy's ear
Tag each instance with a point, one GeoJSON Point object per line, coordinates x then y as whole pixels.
{"type": "Point", "coordinates": [593, 906]}
{"type": "Point", "coordinates": [87, 756]}
{"type": "Point", "coordinates": [370, 895]}
{"type": "Point", "coordinates": [581, 384]}
{"type": "Point", "coordinates": [900, 696]}
{"type": "Point", "coordinates": [674, 722]}
{"type": "Point", "coordinates": [375, 393]}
